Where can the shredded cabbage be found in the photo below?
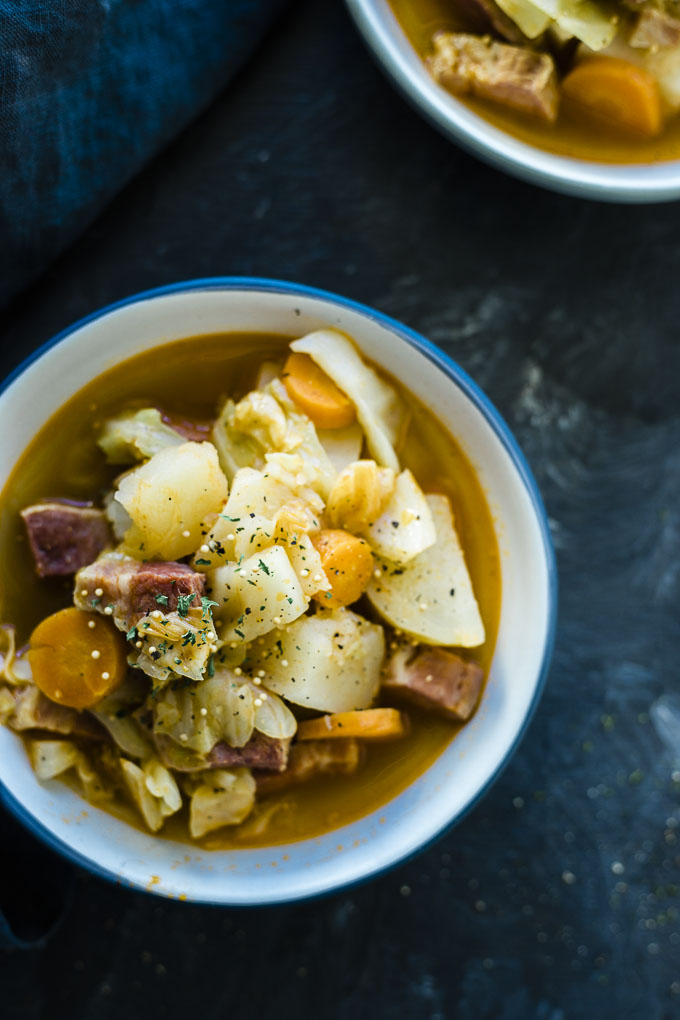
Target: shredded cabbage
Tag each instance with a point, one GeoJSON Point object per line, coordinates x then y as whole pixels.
{"type": "Point", "coordinates": [266, 422]}
{"type": "Point", "coordinates": [136, 435]}
{"type": "Point", "coordinates": [380, 410]}
{"type": "Point", "coordinates": [359, 495]}
{"type": "Point", "coordinates": [330, 662]}
{"type": "Point", "coordinates": [342, 446]}
{"type": "Point", "coordinates": [169, 498]}
{"type": "Point", "coordinates": [153, 790]}
{"type": "Point", "coordinates": [224, 797]}
{"type": "Point", "coordinates": [181, 646]}
{"type": "Point", "coordinates": [15, 668]}
{"type": "Point", "coordinates": [229, 712]}
{"type": "Point", "coordinates": [115, 713]}
{"type": "Point", "coordinates": [431, 597]}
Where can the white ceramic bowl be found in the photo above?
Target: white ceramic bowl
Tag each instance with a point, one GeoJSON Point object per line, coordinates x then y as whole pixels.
{"type": "Point", "coordinates": [644, 182]}
{"type": "Point", "coordinates": [465, 770]}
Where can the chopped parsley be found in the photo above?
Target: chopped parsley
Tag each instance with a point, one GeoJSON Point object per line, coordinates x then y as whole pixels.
{"type": "Point", "coordinates": [162, 600]}
{"type": "Point", "coordinates": [183, 603]}
{"type": "Point", "coordinates": [263, 566]}
{"type": "Point", "coordinates": [131, 634]}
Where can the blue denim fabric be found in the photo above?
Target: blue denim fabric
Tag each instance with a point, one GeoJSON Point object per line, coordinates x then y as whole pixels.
{"type": "Point", "coordinates": [89, 91]}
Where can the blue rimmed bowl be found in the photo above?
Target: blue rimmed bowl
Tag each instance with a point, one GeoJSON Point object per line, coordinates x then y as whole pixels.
{"type": "Point", "coordinates": [464, 771]}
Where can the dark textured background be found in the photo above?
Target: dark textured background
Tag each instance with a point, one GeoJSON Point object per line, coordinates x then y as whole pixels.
{"type": "Point", "coordinates": [558, 897]}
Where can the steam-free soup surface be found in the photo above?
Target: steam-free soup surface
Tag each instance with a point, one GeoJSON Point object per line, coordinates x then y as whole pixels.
{"type": "Point", "coordinates": [187, 379]}
{"type": "Point", "coordinates": [573, 135]}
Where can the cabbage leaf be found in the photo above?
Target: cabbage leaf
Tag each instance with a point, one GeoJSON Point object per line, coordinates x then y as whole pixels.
{"type": "Point", "coordinates": [136, 435]}
{"type": "Point", "coordinates": [380, 410]}
{"type": "Point", "coordinates": [405, 527]}
{"type": "Point", "coordinates": [223, 797]}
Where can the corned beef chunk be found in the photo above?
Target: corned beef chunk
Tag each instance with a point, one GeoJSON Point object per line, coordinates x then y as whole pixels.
{"type": "Point", "coordinates": [435, 679]}
{"type": "Point", "coordinates": [511, 75]}
{"type": "Point", "coordinates": [312, 758]}
{"type": "Point", "coordinates": [133, 588]}
{"type": "Point", "coordinates": [64, 536]}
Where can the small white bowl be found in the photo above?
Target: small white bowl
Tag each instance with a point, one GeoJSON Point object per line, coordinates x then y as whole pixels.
{"type": "Point", "coordinates": [465, 770]}
{"type": "Point", "coordinates": [608, 182]}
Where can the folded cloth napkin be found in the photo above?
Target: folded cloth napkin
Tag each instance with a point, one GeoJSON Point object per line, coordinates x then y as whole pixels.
{"type": "Point", "coordinates": [89, 91]}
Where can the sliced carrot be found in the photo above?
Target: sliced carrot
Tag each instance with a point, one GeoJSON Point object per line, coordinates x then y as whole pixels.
{"type": "Point", "coordinates": [348, 564]}
{"type": "Point", "coordinates": [616, 91]}
{"type": "Point", "coordinates": [316, 394]}
{"type": "Point", "coordinates": [74, 663]}
{"type": "Point", "coordinates": [367, 724]}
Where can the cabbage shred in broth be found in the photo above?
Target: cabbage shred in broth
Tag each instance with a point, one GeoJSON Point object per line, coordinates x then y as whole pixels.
{"type": "Point", "coordinates": [64, 460]}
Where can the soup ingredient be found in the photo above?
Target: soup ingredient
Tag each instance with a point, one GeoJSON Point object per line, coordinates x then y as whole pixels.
{"type": "Point", "coordinates": [130, 589]}
{"type": "Point", "coordinates": [369, 724]}
{"type": "Point", "coordinates": [136, 435]}
{"type": "Point", "coordinates": [256, 595]}
{"type": "Point", "coordinates": [14, 667]}
{"type": "Point", "coordinates": [269, 422]}
{"type": "Point", "coordinates": [64, 536]}
{"type": "Point", "coordinates": [51, 758]}
{"type": "Point", "coordinates": [582, 19]}
{"type": "Point", "coordinates": [153, 790]}
{"type": "Point", "coordinates": [527, 16]}
{"type": "Point", "coordinates": [655, 27]}
{"type": "Point", "coordinates": [311, 759]}
{"type": "Point", "coordinates": [33, 711]}
{"type": "Point", "coordinates": [618, 92]}
{"type": "Point", "coordinates": [316, 393]}
{"type": "Point", "coordinates": [431, 597]}
{"type": "Point", "coordinates": [435, 679]}
{"type": "Point", "coordinates": [342, 446]}
{"type": "Point", "coordinates": [379, 408]}
{"type": "Point", "coordinates": [347, 562]}
{"type": "Point", "coordinates": [359, 495]}
{"type": "Point", "coordinates": [261, 752]}
{"type": "Point", "coordinates": [520, 78]}
{"type": "Point", "coordinates": [405, 527]}
{"type": "Point", "coordinates": [169, 498]}
{"type": "Point", "coordinates": [226, 797]}
{"type": "Point", "coordinates": [330, 661]}
{"type": "Point", "coordinates": [75, 664]}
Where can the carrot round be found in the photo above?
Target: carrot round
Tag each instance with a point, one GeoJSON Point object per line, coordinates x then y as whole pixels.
{"type": "Point", "coordinates": [348, 564]}
{"type": "Point", "coordinates": [624, 95]}
{"type": "Point", "coordinates": [74, 663]}
{"type": "Point", "coordinates": [367, 724]}
{"type": "Point", "coordinates": [316, 394]}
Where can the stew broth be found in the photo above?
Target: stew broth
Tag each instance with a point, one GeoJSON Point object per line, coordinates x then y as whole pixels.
{"type": "Point", "coordinates": [187, 379]}
{"type": "Point", "coordinates": [570, 136]}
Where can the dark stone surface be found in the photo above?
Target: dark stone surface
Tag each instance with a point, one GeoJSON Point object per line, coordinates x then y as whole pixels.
{"type": "Point", "coordinates": [558, 896]}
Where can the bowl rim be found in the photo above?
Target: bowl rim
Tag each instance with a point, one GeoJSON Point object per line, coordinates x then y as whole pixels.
{"type": "Point", "coordinates": [606, 182]}
{"type": "Point", "coordinates": [501, 430]}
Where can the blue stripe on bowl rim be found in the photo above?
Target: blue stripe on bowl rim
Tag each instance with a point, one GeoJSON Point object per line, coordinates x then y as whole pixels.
{"type": "Point", "coordinates": [500, 428]}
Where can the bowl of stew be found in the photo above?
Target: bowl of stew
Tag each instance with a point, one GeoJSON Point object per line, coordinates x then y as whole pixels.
{"type": "Point", "coordinates": [582, 96]}
{"type": "Point", "coordinates": [278, 594]}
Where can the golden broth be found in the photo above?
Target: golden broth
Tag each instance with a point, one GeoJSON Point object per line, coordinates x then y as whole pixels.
{"type": "Point", "coordinates": [571, 136]}
{"type": "Point", "coordinates": [187, 379]}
